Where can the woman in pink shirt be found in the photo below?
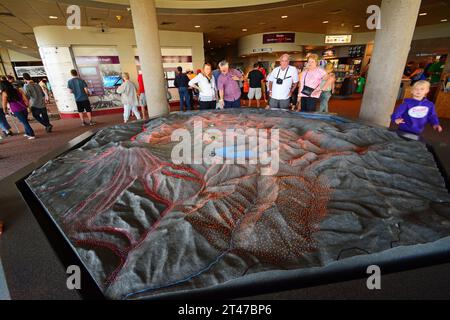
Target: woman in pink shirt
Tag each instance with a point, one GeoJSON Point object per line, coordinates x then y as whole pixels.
{"type": "Point", "coordinates": [310, 85]}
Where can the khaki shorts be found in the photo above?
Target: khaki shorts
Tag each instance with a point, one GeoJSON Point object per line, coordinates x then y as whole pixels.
{"type": "Point", "coordinates": [255, 93]}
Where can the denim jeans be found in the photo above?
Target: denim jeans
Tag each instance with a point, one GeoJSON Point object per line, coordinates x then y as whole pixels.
{"type": "Point", "coordinates": [41, 116]}
{"type": "Point", "coordinates": [4, 125]}
{"type": "Point", "coordinates": [23, 118]}
{"type": "Point", "coordinates": [233, 104]}
{"type": "Point", "coordinates": [324, 98]}
{"type": "Point", "coordinates": [184, 98]}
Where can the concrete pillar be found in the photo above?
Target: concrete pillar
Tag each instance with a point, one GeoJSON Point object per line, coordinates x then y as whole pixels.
{"type": "Point", "coordinates": [392, 45]}
{"type": "Point", "coordinates": [128, 61]}
{"type": "Point", "coordinates": [147, 39]}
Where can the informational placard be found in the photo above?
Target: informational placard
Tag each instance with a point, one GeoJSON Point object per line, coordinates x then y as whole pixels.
{"type": "Point", "coordinates": [58, 63]}
{"type": "Point", "coordinates": [177, 59]}
{"type": "Point", "coordinates": [278, 38]}
{"type": "Point", "coordinates": [103, 75]}
{"type": "Point", "coordinates": [338, 39]}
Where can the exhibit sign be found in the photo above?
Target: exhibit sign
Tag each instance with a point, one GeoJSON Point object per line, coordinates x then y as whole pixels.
{"type": "Point", "coordinates": [338, 39]}
{"type": "Point", "coordinates": [278, 38]}
{"type": "Point", "coordinates": [103, 76]}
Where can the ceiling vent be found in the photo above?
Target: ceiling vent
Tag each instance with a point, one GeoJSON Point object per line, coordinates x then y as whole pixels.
{"type": "Point", "coordinates": [167, 23]}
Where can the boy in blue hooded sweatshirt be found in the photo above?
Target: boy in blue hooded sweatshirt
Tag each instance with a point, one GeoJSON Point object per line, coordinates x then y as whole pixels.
{"type": "Point", "coordinates": [415, 113]}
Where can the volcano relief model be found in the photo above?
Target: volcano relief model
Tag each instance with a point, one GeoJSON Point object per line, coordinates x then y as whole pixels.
{"type": "Point", "coordinates": [144, 226]}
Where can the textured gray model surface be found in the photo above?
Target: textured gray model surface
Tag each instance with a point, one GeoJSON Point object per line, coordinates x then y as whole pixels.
{"type": "Point", "coordinates": [144, 226]}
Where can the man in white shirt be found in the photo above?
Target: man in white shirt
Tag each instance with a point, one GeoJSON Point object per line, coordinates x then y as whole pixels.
{"type": "Point", "coordinates": [282, 83]}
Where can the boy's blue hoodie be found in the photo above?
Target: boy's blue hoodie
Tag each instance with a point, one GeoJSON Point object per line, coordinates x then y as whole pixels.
{"type": "Point", "coordinates": [416, 114]}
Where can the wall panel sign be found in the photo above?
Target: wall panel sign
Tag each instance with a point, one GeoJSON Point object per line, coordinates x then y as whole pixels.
{"type": "Point", "coordinates": [103, 76]}
{"type": "Point", "coordinates": [278, 38]}
{"type": "Point", "coordinates": [263, 50]}
{"type": "Point", "coordinates": [100, 72]}
{"type": "Point", "coordinates": [34, 71]}
{"type": "Point", "coordinates": [340, 39]}
{"type": "Point", "coordinates": [177, 59]}
{"type": "Point", "coordinates": [170, 63]}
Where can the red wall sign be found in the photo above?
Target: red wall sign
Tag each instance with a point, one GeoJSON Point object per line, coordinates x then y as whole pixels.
{"type": "Point", "coordinates": [278, 38]}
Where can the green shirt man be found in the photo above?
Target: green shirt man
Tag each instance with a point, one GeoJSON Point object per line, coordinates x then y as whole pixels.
{"type": "Point", "coordinates": [436, 70]}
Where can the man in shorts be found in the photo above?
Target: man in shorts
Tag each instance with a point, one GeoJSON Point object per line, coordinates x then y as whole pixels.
{"type": "Point", "coordinates": [79, 89]}
{"type": "Point", "coordinates": [256, 80]}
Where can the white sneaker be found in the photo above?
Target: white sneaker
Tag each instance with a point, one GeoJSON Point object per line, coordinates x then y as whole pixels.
{"type": "Point", "coordinates": [31, 138]}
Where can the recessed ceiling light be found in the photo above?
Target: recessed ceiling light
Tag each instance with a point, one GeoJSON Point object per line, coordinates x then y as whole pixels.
{"type": "Point", "coordinates": [197, 27]}
{"type": "Point", "coordinates": [423, 14]}
{"type": "Point", "coordinates": [444, 20]}
{"type": "Point", "coordinates": [326, 21]}
{"type": "Point", "coordinates": [53, 17]}
{"type": "Point", "coordinates": [209, 41]}
{"type": "Point", "coordinates": [8, 40]}
{"type": "Point", "coordinates": [357, 26]}
{"type": "Point", "coordinates": [24, 47]}
{"type": "Point", "coordinates": [284, 17]}
{"type": "Point", "coordinates": [245, 30]}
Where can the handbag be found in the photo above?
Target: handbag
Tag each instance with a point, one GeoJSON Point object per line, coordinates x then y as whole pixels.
{"type": "Point", "coordinates": [308, 91]}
